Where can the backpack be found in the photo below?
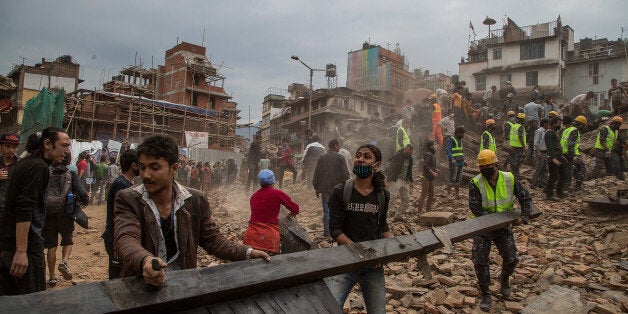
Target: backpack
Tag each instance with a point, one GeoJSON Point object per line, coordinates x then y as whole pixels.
{"type": "Point", "coordinates": [59, 185]}
{"type": "Point", "coordinates": [381, 199]}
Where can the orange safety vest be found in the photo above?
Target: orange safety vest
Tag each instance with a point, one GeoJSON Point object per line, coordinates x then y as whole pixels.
{"type": "Point", "coordinates": [436, 114]}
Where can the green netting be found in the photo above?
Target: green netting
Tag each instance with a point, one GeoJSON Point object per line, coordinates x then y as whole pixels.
{"type": "Point", "coordinates": [42, 111]}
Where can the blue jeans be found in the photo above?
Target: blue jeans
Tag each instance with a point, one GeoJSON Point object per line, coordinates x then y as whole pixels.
{"type": "Point", "coordinates": [455, 172]}
{"type": "Point", "coordinates": [371, 283]}
{"type": "Point", "coordinates": [325, 201]}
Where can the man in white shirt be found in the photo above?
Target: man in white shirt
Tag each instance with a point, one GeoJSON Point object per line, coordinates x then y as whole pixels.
{"type": "Point", "coordinates": [540, 157]}
{"type": "Point", "coordinates": [579, 105]}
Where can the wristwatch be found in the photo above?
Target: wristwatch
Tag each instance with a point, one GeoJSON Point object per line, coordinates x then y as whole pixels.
{"type": "Point", "coordinates": [248, 252]}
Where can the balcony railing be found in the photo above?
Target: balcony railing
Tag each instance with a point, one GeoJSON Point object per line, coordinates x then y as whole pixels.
{"type": "Point", "coordinates": [506, 35]}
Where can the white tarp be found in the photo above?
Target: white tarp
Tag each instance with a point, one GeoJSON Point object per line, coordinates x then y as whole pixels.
{"type": "Point", "coordinates": [197, 139]}
{"type": "Point", "coordinates": [114, 147]}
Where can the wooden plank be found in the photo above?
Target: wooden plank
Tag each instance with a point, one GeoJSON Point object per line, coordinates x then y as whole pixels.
{"type": "Point", "coordinates": [192, 288]}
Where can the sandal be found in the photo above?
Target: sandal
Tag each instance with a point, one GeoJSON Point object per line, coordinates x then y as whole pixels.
{"type": "Point", "coordinates": [52, 282]}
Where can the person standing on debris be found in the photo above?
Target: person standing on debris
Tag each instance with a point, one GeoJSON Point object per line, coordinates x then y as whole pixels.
{"type": "Point", "coordinates": [286, 162]}
{"type": "Point", "coordinates": [129, 164]}
{"type": "Point", "coordinates": [312, 152]}
{"type": "Point", "coordinates": [490, 97]}
{"type": "Point", "coordinates": [427, 180]}
{"type": "Point", "coordinates": [510, 121]}
{"type": "Point", "coordinates": [606, 137]}
{"type": "Point", "coordinates": [263, 231]}
{"type": "Point", "coordinates": [517, 142]}
{"type": "Point", "coordinates": [403, 138]}
{"type": "Point", "coordinates": [570, 143]}
{"type": "Point", "coordinates": [399, 173]}
{"type": "Point", "coordinates": [540, 155]}
{"type": "Point", "coordinates": [549, 106]}
{"type": "Point", "coordinates": [254, 155]}
{"type": "Point", "coordinates": [615, 93]}
{"type": "Point", "coordinates": [617, 156]}
{"type": "Point", "coordinates": [437, 115]}
{"type": "Point", "coordinates": [164, 221]}
{"type": "Point", "coordinates": [487, 141]}
{"type": "Point", "coordinates": [8, 148]}
{"type": "Point", "coordinates": [493, 191]}
{"type": "Point", "coordinates": [579, 105]}
{"type": "Point", "coordinates": [533, 111]}
{"type": "Point", "coordinates": [22, 264]}
{"type": "Point", "coordinates": [358, 212]}
{"type": "Point", "coordinates": [448, 126]}
{"type": "Point", "coordinates": [59, 219]}
{"type": "Point", "coordinates": [455, 156]}
{"type": "Point", "coordinates": [507, 89]}
{"type": "Point", "coordinates": [331, 169]}
{"type": "Point", "coordinates": [556, 162]}
{"type": "Point", "coordinates": [509, 104]}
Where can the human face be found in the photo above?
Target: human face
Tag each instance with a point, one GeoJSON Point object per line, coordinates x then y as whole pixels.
{"type": "Point", "coordinates": [8, 150]}
{"type": "Point", "coordinates": [365, 156]}
{"type": "Point", "coordinates": [56, 152]}
{"type": "Point", "coordinates": [157, 175]}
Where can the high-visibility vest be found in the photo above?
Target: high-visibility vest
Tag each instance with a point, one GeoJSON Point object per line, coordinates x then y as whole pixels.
{"type": "Point", "coordinates": [502, 198]}
{"type": "Point", "coordinates": [456, 150]}
{"type": "Point", "coordinates": [564, 141]}
{"type": "Point", "coordinates": [406, 139]}
{"type": "Point", "coordinates": [610, 139]}
{"type": "Point", "coordinates": [514, 136]}
{"type": "Point", "coordinates": [491, 142]}
{"type": "Point", "coordinates": [437, 115]}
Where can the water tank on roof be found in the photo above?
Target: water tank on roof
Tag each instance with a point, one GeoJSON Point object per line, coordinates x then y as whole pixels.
{"type": "Point", "coordinates": [330, 70]}
{"type": "Point", "coordinates": [65, 59]}
{"type": "Point", "coordinates": [586, 43]}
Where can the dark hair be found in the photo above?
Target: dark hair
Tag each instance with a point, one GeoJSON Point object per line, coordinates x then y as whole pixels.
{"type": "Point", "coordinates": [199, 164]}
{"type": "Point", "coordinates": [127, 158]}
{"type": "Point", "coordinates": [459, 129]}
{"type": "Point", "coordinates": [567, 120]}
{"type": "Point", "coordinates": [613, 80]}
{"type": "Point", "coordinates": [160, 146]}
{"type": "Point", "coordinates": [112, 160]}
{"type": "Point", "coordinates": [590, 94]}
{"type": "Point", "coordinates": [103, 158]}
{"type": "Point", "coordinates": [35, 142]}
{"type": "Point", "coordinates": [378, 176]}
{"type": "Point", "coordinates": [428, 145]}
{"type": "Point", "coordinates": [315, 138]}
{"type": "Point", "coordinates": [544, 121]}
{"type": "Point", "coordinates": [333, 143]}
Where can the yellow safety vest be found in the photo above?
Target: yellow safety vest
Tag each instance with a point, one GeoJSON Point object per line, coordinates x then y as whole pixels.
{"type": "Point", "coordinates": [498, 200]}
{"type": "Point", "coordinates": [456, 150]}
{"type": "Point", "coordinates": [491, 142]}
{"type": "Point", "coordinates": [610, 139]}
{"type": "Point", "coordinates": [564, 141]}
{"type": "Point", "coordinates": [514, 136]}
{"type": "Point", "coordinates": [406, 139]}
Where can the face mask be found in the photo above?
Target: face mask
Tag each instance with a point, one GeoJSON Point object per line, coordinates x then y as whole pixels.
{"type": "Point", "coordinates": [487, 172]}
{"type": "Point", "coordinates": [362, 171]}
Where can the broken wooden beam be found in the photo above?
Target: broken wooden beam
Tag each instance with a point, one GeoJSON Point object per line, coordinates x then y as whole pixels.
{"type": "Point", "coordinates": [194, 288]}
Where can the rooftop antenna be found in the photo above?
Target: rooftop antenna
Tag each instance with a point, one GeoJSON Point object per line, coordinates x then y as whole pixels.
{"type": "Point", "coordinates": [489, 21]}
{"type": "Point", "coordinates": [23, 59]}
{"type": "Point", "coordinates": [203, 41]}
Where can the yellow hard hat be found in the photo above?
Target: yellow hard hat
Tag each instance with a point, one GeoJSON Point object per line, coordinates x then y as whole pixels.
{"type": "Point", "coordinates": [521, 115]}
{"type": "Point", "coordinates": [487, 157]}
{"type": "Point", "coordinates": [490, 121]}
{"type": "Point", "coordinates": [511, 113]}
{"type": "Point", "coordinates": [581, 119]}
{"type": "Point", "coordinates": [433, 96]}
{"type": "Point", "coordinates": [554, 113]}
{"type": "Point", "coordinates": [617, 119]}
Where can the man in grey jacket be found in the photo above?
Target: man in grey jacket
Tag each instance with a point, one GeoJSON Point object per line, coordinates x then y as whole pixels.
{"type": "Point", "coordinates": [331, 169]}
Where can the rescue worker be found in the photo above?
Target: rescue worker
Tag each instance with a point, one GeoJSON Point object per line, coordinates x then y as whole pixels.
{"type": "Point", "coordinates": [570, 144]}
{"type": "Point", "coordinates": [456, 160]}
{"type": "Point", "coordinates": [488, 140]}
{"type": "Point", "coordinates": [556, 162]}
{"type": "Point", "coordinates": [493, 191]}
{"type": "Point", "coordinates": [552, 114]}
{"type": "Point", "coordinates": [606, 137]}
{"type": "Point", "coordinates": [517, 143]}
{"type": "Point", "coordinates": [403, 138]}
{"type": "Point", "coordinates": [510, 120]}
{"type": "Point", "coordinates": [437, 115]}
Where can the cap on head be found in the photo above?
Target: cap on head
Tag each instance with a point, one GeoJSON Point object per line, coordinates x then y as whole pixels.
{"type": "Point", "coordinates": [266, 177]}
{"type": "Point", "coordinates": [490, 122]}
{"type": "Point", "coordinates": [521, 115]}
{"type": "Point", "coordinates": [581, 119]}
{"type": "Point", "coordinates": [9, 138]}
{"type": "Point", "coordinates": [510, 95]}
{"type": "Point", "coordinates": [617, 119]}
{"type": "Point", "coordinates": [552, 113]}
{"type": "Point", "coordinates": [433, 97]}
{"type": "Point", "coordinates": [487, 157]}
{"type": "Point", "coordinates": [511, 113]}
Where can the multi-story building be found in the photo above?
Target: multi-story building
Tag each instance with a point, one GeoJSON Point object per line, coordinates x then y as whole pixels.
{"type": "Point", "coordinates": [374, 68]}
{"type": "Point", "coordinates": [526, 56]}
{"type": "Point", "coordinates": [423, 79]}
{"type": "Point", "coordinates": [272, 106]}
{"type": "Point", "coordinates": [591, 66]}
{"type": "Point", "coordinates": [60, 74]}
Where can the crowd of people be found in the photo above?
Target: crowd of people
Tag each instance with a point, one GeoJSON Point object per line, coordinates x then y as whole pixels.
{"type": "Point", "coordinates": [158, 212]}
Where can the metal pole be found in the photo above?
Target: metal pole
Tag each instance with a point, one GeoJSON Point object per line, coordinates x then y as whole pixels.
{"type": "Point", "coordinates": [309, 114]}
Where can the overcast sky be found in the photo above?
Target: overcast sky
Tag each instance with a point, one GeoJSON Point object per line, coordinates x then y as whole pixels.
{"type": "Point", "coordinates": [254, 40]}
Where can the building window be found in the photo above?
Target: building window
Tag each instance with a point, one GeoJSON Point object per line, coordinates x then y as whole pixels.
{"type": "Point", "coordinates": [533, 50]}
{"type": "Point", "coordinates": [504, 77]}
{"type": "Point", "coordinates": [497, 54]}
{"type": "Point", "coordinates": [594, 72]}
{"type": "Point", "coordinates": [480, 82]}
{"type": "Point", "coordinates": [361, 106]}
{"type": "Point", "coordinates": [532, 78]}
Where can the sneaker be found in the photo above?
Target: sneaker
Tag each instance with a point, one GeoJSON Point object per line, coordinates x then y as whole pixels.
{"type": "Point", "coordinates": [485, 302]}
{"type": "Point", "coordinates": [52, 282]}
{"type": "Point", "coordinates": [65, 271]}
{"type": "Point", "coordinates": [505, 288]}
